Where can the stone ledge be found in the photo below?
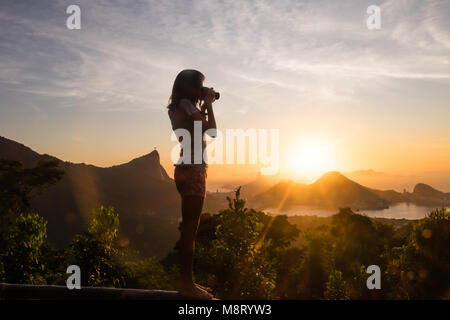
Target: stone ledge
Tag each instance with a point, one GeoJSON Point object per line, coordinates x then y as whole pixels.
{"type": "Point", "coordinates": [50, 292]}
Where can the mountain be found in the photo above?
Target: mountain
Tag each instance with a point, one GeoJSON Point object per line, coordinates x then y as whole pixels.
{"type": "Point", "coordinates": [140, 191]}
{"type": "Point", "coordinates": [260, 184]}
{"type": "Point", "coordinates": [333, 190]}
{"type": "Point", "coordinates": [422, 194]}
{"type": "Point", "coordinates": [426, 194]}
{"type": "Point", "coordinates": [216, 201]}
{"type": "Point", "coordinates": [336, 190]}
{"type": "Point", "coordinates": [424, 190]}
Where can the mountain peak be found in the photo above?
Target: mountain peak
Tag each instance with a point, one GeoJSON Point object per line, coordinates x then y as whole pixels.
{"type": "Point", "coordinates": [332, 190]}
{"type": "Point", "coordinates": [425, 190]}
{"type": "Point", "coordinates": [148, 164]}
{"type": "Point", "coordinates": [332, 176]}
{"type": "Point", "coordinates": [149, 157]}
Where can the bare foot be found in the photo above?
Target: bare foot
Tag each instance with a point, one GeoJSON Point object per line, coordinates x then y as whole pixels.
{"type": "Point", "coordinates": [194, 292]}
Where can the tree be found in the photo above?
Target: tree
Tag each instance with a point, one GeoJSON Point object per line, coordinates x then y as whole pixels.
{"type": "Point", "coordinates": [97, 252]}
{"type": "Point", "coordinates": [18, 185]}
{"type": "Point", "coordinates": [147, 274]}
{"type": "Point", "coordinates": [336, 287]}
{"type": "Point", "coordinates": [24, 243]}
{"type": "Point", "coordinates": [314, 268]}
{"type": "Point", "coordinates": [421, 267]}
{"type": "Point", "coordinates": [23, 236]}
{"type": "Point", "coordinates": [288, 277]}
{"type": "Point", "coordinates": [105, 225]}
{"type": "Point", "coordinates": [357, 241]}
{"type": "Point", "coordinates": [238, 249]}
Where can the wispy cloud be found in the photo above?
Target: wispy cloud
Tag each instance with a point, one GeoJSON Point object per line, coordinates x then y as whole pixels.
{"type": "Point", "coordinates": [126, 54]}
{"type": "Point", "coordinates": [268, 58]}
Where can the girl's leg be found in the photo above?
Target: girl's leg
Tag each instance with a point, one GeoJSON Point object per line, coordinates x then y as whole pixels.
{"type": "Point", "coordinates": [191, 207]}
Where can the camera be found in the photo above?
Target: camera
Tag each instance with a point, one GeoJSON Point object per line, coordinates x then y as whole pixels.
{"type": "Point", "coordinates": [204, 92]}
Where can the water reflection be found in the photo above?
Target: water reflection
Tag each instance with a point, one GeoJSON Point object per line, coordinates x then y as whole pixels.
{"type": "Point", "coordinates": [396, 211]}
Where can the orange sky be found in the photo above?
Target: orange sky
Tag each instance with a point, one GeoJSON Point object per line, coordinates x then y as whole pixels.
{"type": "Point", "coordinates": [343, 97]}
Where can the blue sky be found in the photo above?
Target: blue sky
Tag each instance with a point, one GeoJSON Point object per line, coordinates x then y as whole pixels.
{"type": "Point", "coordinates": [311, 68]}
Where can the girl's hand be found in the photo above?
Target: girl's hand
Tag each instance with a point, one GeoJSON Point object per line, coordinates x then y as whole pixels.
{"type": "Point", "coordinates": [209, 96]}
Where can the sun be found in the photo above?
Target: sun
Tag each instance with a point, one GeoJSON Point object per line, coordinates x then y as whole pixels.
{"type": "Point", "coordinates": [309, 159]}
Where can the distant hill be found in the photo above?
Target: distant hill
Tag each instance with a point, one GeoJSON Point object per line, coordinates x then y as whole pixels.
{"type": "Point", "coordinates": [424, 193]}
{"type": "Point", "coordinates": [333, 190]}
{"type": "Point", "coordinates": [366, 173]}
{"type": "Point", "coordinates": [216, 201]}
{"type": "Point", "coordinates": [140, 190]}
{"type": "Point", "coordinates": [260, 184]}
{"type": "Point", "coordinates": [424, 190]}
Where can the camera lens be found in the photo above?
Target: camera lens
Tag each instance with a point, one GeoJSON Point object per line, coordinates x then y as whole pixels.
{"type": "Point", "coordinates": [205, 92]}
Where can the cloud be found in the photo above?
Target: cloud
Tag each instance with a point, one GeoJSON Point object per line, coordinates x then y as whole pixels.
{"type": "Point", "coordinates": [126, 55]}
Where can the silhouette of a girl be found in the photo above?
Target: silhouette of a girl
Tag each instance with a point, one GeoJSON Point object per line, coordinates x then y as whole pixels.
{"type": "Point", "coordinates": [190, 177]}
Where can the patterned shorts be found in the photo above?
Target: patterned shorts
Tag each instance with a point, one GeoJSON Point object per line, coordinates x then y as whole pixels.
{"type": "Point", "coordinates": [190, 181]}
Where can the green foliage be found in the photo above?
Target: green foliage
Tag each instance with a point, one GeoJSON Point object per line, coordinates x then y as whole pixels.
{"type": "Point", "coordinates": [23, 246]}
{"type": "Point", "coordinates": [421, 267]}
{"type": "Point", "coordinates": [431, 236]}
{"type": "Point", "coordinates": [22, 254]}
{"type": "Point", "coordinates": [236, 255]}
{"type": "Point", "coordinates": [243, 253]}
{"type": "Point", "coordinates": [18, 185]}
{"type": "Point", "coordinates": [336, 287]}
{"type": "Point", "coordinates": [358, 241]}
{"type": "Point", "coordinates": [97, 252]}
{"type": "Point", "coordinates": [26, 256]}
{"type": "Point", "coordinates": [55, 265]}
{"type": "Point", "coordinates": [288, 273]}
{"type": "Point", "coordinates": [148, 274]}
{"type": "Point", "coordinates": [99, 262]}
{"type": "Point", "coordinates": [314, 269]}
{"type": "Point", "coordinates": [104, 225]}
{"type": "Point", "coordinates": [238, 228]}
